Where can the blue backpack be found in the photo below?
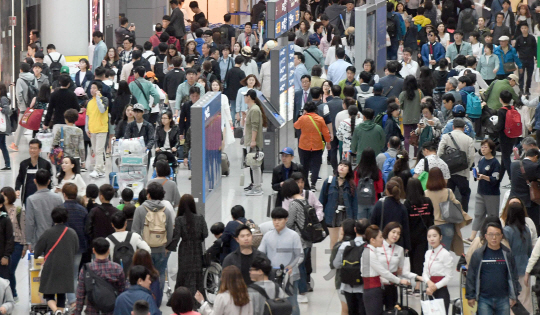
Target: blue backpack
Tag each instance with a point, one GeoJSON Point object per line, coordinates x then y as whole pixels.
{"type": "Point", "coordinates": [474, 105]}
{"type": "Point", "coordinates": [388, 166]}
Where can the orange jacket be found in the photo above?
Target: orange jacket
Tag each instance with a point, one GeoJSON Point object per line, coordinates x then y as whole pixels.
{"type": "Point", "coordinates": [310, 139]}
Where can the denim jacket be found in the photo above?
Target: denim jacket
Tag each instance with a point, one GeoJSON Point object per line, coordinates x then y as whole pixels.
{"type": "Point", "coordinates": [329, 199]}
{"type": "Point", "coordinates": [521, 246]}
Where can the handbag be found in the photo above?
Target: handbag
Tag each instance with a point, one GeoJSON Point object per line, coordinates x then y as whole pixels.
{"type": "Point", "coordinates": [534, 186]}
{"type": "Point", "coordinates": [414, 138]}
{"type": "Point", "coordinates": [81, 121]}
{"type": "Point", "coordinates": [423, 177]}
{"type": "Point", "coordinates": [451, 212]}
{"type": "Point", "coordinates": [57, 153]}
{"type": "Point", "coordinates": [455, 158]}
{"type": "Point", "coordinates": [509, 67]}
{"type": "Point", "coordinates": [3, 122]}
{"type": "Point", "coordinates": [519, 309]}
{"type": "Point", "coordinates": [254, 158]}
{"type": "Point", "coordinates": [31, 119]}
{"type": "Point", "coordinates": [238, 131]}
{"type": "Point", "coordinates": [433, 306]}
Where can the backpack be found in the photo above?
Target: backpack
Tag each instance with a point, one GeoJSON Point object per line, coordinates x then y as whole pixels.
{"type": "Point", "coordinates": [55, 67]}
{"type": "Point", "coordinates": [131, 77]}
{"type": "Point", "coordinates": [388, 166]}
{"type": "Point", "coordinates": [467, 21]}
{"type": "Point", "coordinates": [312, 231]}
{"type": "Point", "coordinates": [224, 30]}
{"type": "Point", "coordinates": [158, 70]}
{"type": "Point", "coordinates": [31, 92]}
{"type": "Point", "coordinates": [448, 9]}
{"type": "Point", "coordinates": [155, 228]}
{"type": "Point", "coordinates": [474, 105]}
{"type": "Point", "coordinates": [350, 270]}
{"type": "Point", "coordinates": [365, 191]}
{"type": "Point", "coordinates": [512, 125]}
{"type": "Point", "coordinates": [276, 305]}
{"type": "Point", "coordinates": [99, 292]}
{"type": "Point", "coordinates": [391, 26]}
{"type": "Point", "coordinates": [425, 136]}
{"type": "Point", "coordinates": [123, 251]}
{"type": "Point", "coordinates": [381, 118]}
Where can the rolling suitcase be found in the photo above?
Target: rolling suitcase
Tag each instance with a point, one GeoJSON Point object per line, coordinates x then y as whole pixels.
{"type": "Point", "coordinates": [401, 308]}
{"type": "Point", "coordinates": [225, 164]}
{"type": "Point", "coordinates": [113, 181]}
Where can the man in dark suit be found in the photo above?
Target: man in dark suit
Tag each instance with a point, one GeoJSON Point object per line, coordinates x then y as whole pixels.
{"type": "Point", "coordinates": [300, 98]}
{"type": "Point", "coordinates": [177, 21]}
{"type": "Point", "coordinates": [520, 188]}
{"type": "Point", "coordinates": [392, 85]}
{"type": "Point", "coordinates": [283, 172]}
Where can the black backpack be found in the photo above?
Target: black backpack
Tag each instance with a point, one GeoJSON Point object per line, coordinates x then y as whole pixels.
{"type": "Point", "coordinates": [123, 252]}
{"type": "Point", "coordinates": [313, 230]}
{"type": "Point", "coordinates": [224, 30]}
{"type": "Point", "coordinates": [366, 191]}
{"type": "Point", "coordinates": [391, 26]}
{"type": "Point", "coordinates": [55, 67]}
{"type": "Point", "coordinates": [350, 270]}
{"type": "Point", "coordinates": [99, 292]}
{"type": "Point", "coordinates": [31, 92]}
{"type": "Point", "coordinates": [158, 70]}
{"type": "Point", "coordinates": [448, 9]}
{"type": "Point", "coordinates": [467, 20]}
{"type": "Point", "coordinates": [276, 305]}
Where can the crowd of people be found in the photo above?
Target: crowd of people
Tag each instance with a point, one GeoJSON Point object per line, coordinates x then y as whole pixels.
{"type": "Point", "coordinates": [402, 148]}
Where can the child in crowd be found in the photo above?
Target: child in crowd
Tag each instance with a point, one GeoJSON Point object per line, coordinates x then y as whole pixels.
{"type": "Point", "coordinates": [216, 250]}
{"type": "Point", "coordinates": [92, 193]}
{"type": "Point", "coordinates": [129, 211]}
{"type": "Point", "coordinates": [127, 197]}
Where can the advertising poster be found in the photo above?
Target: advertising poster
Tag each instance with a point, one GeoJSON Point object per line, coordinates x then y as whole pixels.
{"type": "Point", "coordinates": [380, 62]}
{"type": "Point", "coordinates": [96, 17]}
{"type": "Point", "coordinates": [371, 45]}
{"type": "Point", "coordinates": [290, 100]}
{"type": "Point", "coordinates": [283, 81]}
{"type": "Point", "coordinates": [211, 144]}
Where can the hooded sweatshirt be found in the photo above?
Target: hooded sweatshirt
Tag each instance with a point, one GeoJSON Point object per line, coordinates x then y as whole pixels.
{"type": "Point", "coordinates": [6, 297]}
{"type": "Point", "coordinates": [421, 20]}
{"type": "Point", "coordinates": [140, 215]}
{"type": "Point", "coordinates": [368, 134]}
{"type": "Point", "coordinates": [21, 89]}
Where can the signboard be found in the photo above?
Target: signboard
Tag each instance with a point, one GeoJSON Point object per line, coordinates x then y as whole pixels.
{"type": "Point", "coordinates": [380, 62]}
{"type": "Point", "coordinates": [282, 15]}
{"type": "Point", "coordinates": [290, 96]}
{"type": "Point", "coordinates": [283, 81]}
{"type": "Point", "coordinates": [12, 21]}
{"type": "Point", "coordinates": [370, 30]}
{"type": "Point", "coordinates": [211, 144]}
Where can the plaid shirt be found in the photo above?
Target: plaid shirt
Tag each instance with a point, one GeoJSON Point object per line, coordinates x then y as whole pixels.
{"type": "Point", "coordinates": [104, 268]}
{"type": "Point", "coordinates": [125, 57]}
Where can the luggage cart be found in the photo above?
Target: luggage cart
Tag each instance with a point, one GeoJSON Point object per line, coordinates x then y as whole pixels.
{"type": "Point", "coordinates": [130, 165]}
{"type": "Point", "coordinates": [38, 306]}
{"type": "Point", "coordinates": [460, 306]}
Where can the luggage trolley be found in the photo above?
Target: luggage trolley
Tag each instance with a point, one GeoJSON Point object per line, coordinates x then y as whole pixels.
{"type": "Point", "coordinates": [130, 162]}
{"type": "Point", "coordinates": [38, 306]}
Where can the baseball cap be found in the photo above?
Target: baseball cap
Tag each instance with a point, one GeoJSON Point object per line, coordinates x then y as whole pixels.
{"type": "Point", "coordinates": [64, 69]}
{"type": "Point", "coordinates": [151, 74]}
{"type": "Point", "coordinates": [79, 91]}
{"type": "Point", "coordinates": [251, 93]}
{"type": "Point", "coordinates": [287, 150]}
{"type": "Point", "coordinates": [138, 107]}
{"type": "Point", "coordinates": [514, 77]}
{"type": "Point", "coordinates": [314, 39]}
{"type": "Point", "coordinates": [458, 109]}
{"type": "Point", "coordinates": [504, 37]}
{"type": "Point", "coordinates": [377, 87]}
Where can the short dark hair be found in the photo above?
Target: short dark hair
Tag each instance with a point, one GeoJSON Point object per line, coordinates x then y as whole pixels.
{"type": "Point", "coordinates": [490, 144]}
{"type": "Point", "coordinates": [147, 45]}
{"type": "Point", "coordinates": [162, 47]}
{"type": "Point", "coordinates": [394, 142]}
{"type": "Point", "coordinates": [217, 228]}
{"type": "Point", "coordinates": [181, 300]}
{"type": "Point", "coordinates": [240, 228]}
{"type": "Point", "coordinates": [262, 263]}
{"type": "Point", "coordinates": [51, 46]}
{"type": "Point", "coordinates": [316, 70]}
{"type": "Point", "coordinates": [449, 97]}
{"type": "Point", "coordinates": [141, 307]}
{"type": "Point", "coordinates": [239, 60]}
{"type": "Point", "coordinates": [99, 71]}
{"type": "Point", "coordinates": [279, 213]}
{"type": "Point", "coordinates": [532, 152]}
{"type": "Point", "coordinates": [310, 107]}
{"type": "Point", "coordinates": [162, 168]}
{"type": "Point", "coordinates": [43, 177]}
{"type": "Point", "coordinates": [351, 68]}
{"type": "Point", "coordinates": [506, 97]}
{"type": "Point", "coordinates": [177, 61]}
{"type": "Point", "coordinates": [124, 20]}
{"type": "Point", "coordinates": [140, 71]}
{"type": "Point", "coordinates": [64, 80]}
{"type": "Point", "coordinates": [35, 141]}
{"type": "Point", "coordinates": [118, 219]}
{"type": "Point", "coordinates": [392, 66]}
{"type": "Point", "coordinates": [191, 70]}
{"type": "Point", "coordinates": [238, 212]}
{"type": "Point", "coordinates": [92, 191]}
{"type": "Point", "coordinates": [59, 214]}
{"type": "Point", "coordinates": [101, 245]}
{"type": "Point", "coordinates": [340, 53]}
{"type": "Point", "coordinates": [430, 146]}
{"type": "Point", "coordinates": [194, 90]}
{"type": "Point", "coordinates": [389, 227]}
{"type": "Point", "coordinates": [365, 76]}
{"type": "Point", "coordinates": [315, 92]}
{"type": "Point", "coordinates": [325, 17]}
{"type": "Point", "coordinates": [70, 190]}
{"type": "Point", "coordinates": [71, 115]}
{"type": "Point", "coordinates": [137, 272]}
{"type": "Point", "coordinates": [9, 194]}
{"type": "Point", "coordinates": [465, 79]}
{"type": "Point", "coordinates": [361, 225]}
{"type": "Point", "coordinates": [306, 76]}
{"type": "Point", "coordinates": [336, 90]}
{"type": "Point", "coordinates": [107, 191]}
{"type": "Point", "coordinates": [156, 191]}
{"type": "Point", "coordinates": [300, 57]}
{"type": "Point", "coordinates": [368, 113]}
{"type": "Point", "coordinates": [289, 188]}
{"type": "Point", "coordinates": [227, 17]}
{"type": "Point", "coordinates": [129, 39]}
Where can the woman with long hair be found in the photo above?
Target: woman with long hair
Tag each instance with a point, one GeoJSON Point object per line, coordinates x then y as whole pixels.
{"type": "Point", "coordinates": [420, 212]}
{"type": "Point", "coordinates": [236, 49]}
{"type": "Point", "coordinates": [528, 221]}
{"type": "Point", "coordinates": [70, 172]}
{"type": "Point", "coordinates": [123, 98]}
{"type": "Point", "coordinates": [394, 211]}
{"type": "Point", "coordinates": [425, 81]}
{"type": "Point", "coordinates": [519, 238]}
{"type": "Point", "coordinates": [182, 301]}
{"type": "Point", "coordinates": [308, 18]}
{"type": "Point", "coordinates": [401, 167]}
{"type": "Point", "coordinates": [172, 51]}
{"type": "Point", "coordinates": [438, 267]}
{"type": "Point", "coordinates": [373, 271]}
{"type": "Point", "coordinates": [339, 199]}
{"type": "Point", "coordinates": [233, 297]}
{"type": "Point", "coordinates": [367, 170]}
{"type": "Point", "coordinates": [5, 104]}
{"type": "Point", "coordinates": [303, 31]}
{"type": "Point", "coordinates": [167, 136]}
{"type": "Point", "coordinates": [442, 35]}
{"type": "Point", "coordinates": [126, 117]}
{"type": "Point", "coordinates": [330, 57]}
{"type": "Point", "coordinates": [143, 258]}
{"type": "Point", "coordinates": [84, 76]}
{"type": "Point", "coordinates": [369, 67]}
{"type": "Point", "coordinates": [523, 15]}
{"type": "Point", "coordinates": [191, 50]}
{"type": "Point", "coordinates": [410, 99]}
{"type": "Point", "coordinates": [190, 228]}
{"type": "Point", "coordinates": [436, 191]}
{"type": "Point", "coordinates": [112, 60]}
{"type": "Point", "coordinates": [487, 63]}
{"type": "Point", "coordinates": [18, 221]}
{"type": "Point", "coordinates": [41, 101]}
{"type": "Point", "coordinates": [327, 91]}
{"type": "Point", "coordinates": [226, 119]}
{"type": "Point", "coordinates": [391, 127]}
{"type": "Point", "coordinates": [253, 136]}
{"type": "Point", "coordinates": [249, 82]}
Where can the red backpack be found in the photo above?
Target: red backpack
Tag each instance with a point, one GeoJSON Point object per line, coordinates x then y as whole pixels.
{"type": "Point", "coordinates": [512, 125]}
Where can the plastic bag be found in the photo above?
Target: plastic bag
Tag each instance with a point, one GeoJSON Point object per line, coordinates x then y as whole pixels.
{"type": "Point", "coordinates": [46, 139]}
{"type": "Point", "coordinates": [433, 306]}
{"type": "Point", "coordinates": [537, 74]}
{"type": "Point", "coordinates": [400, 53]}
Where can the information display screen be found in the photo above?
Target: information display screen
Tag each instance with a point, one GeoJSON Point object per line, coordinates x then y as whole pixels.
{"type": "Point", "coordinates": [371, 45]}
{"type": "Point", "coordinates": [96, 17]}
{"type": "Point", "coordinates": [211, 144]}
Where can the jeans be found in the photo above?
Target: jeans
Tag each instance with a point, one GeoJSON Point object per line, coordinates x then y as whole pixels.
{"type": "Point", "coordinates": [98, 144]}
{"type": "Point", "coordinates": [364, 211]}
{"type": "Point", "coordinates": [160, 263]}
{"type": "Point", "coordinates": [311, 160]}
{"type": "Point", "coordinates": [391, 51]}
{"type": "Point", "coordinates": [493, 306]}
{"type": "Point", "coordinates": [528, 67]}
{"type": "Point", "coordinates": [76, 262]}
{"type": "Point", "coordinates": [304, 279]}
{"type": "Point", "coordinates": [448, 231]}
{"type": "Point", "coordinates": [294, 299]}
{"type": "Point", "coordinates": [5, 152]}
{"type": "Point", "coordinates": [13, 263]}
{"type": "Point", "coordinates": [462, 184]}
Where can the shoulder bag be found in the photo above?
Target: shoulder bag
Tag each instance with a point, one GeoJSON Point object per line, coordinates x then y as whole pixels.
{"type": "Point", "coordinates": [320, 133]}
{"type": "Point", "coordinates": [455, 158]}
{"type": "Point", "coordinates": [534, 186]}
{"type": "Point", "coordinates": [451, 212]}
{"type": "Point", "coordinates": [146, 98]}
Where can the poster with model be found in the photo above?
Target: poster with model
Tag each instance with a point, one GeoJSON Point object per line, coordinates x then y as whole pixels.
{"type": "Point", "coordinates": [96, 17]}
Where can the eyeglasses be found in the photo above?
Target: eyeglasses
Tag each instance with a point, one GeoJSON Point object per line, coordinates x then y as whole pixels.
{"type": "Point", "coordinates": [494, 235]}
{"type": "Point", "coordinates": [429, 35]}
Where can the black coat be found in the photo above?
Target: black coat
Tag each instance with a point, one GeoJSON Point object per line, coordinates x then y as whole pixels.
{"type": "Point", "coordinates": [185, 117]}
{"type": "Point", "coordinates": [20, 182]}
{"type": "Point", "coordinates": [518, 181]}
{"type": "Point", "coordinates": [235, 259]}
{"type": "Point", "coordinates": [161, 134]}
{"type": "Point", "coordinates": [147, 132]}
{"type": "Point", "coordinates": [59, 103]}
{"type": "Point", "coordinates": [171, 82]}
{"type": "Point", "coordinates": [278, 176]}
{"type": "Point", "coordinates": [7, 240]}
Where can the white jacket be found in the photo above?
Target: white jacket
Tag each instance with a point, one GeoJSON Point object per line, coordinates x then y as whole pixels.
{"type": "Point", "coordinates": [438, 262]}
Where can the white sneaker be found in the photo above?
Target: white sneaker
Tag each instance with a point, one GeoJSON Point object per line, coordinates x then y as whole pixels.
{"type": "Point", "coordinates": [254, 192]}
{"type": "Point", "coordinates": [101, 175]}
{"type": "Point", "coordinates": [83, 169]}
{"type": "Point", "coordinates": [94, 174]}
{"type": "Point", "coordinates": [302, 299]}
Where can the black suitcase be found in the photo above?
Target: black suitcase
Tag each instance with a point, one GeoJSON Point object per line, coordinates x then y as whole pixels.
{"type": "Point", "coordinates": [401, 308]}
{"type": "Point", "coordinates": [225, 164]}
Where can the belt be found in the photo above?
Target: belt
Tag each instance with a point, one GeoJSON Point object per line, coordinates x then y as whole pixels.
{"type": "Point", "coordinates": [372, 282]}
{"type": "Point", "coordinates": [436, 279]}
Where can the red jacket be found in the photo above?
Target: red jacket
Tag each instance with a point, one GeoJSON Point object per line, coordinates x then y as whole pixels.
{"type": "Point", "coordinates": [379, 185]}
{"type": "Point", "coordinates": [154, 39]}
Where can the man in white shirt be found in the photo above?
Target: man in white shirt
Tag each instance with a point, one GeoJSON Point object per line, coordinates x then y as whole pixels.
{"type": "Point", "coordinates": [429, 149]}
{"type": "Point", "coordinates": [54, 56]}
{"type": "Point", "coordinates": [149, 55]}
{"type": "Point", "coordinates": [410, 67]}
{"type": "Point", "coordinates": [119, 223]}
{"type": "Point", "coordinates": [480, 83]}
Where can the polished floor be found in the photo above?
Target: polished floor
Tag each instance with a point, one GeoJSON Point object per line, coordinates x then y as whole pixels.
{"type": "Point", "coordinates": [324, 299]}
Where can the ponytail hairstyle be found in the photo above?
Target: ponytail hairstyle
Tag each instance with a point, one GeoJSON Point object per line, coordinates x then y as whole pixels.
{"type": "Point", "coordinates": [264, 119]}
{"type": "Point", "coordinates": [353, 112]}
{"type": "Point", "coordinates": [393, 189]}
{"type": "Point", "coordinates": [371, 232]}
{"type": "Point", "coordinates": [399, 180]}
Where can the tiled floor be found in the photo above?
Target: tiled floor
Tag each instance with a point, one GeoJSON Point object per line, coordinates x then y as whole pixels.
{"type": "Point", "coordinates": [323, 300]}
